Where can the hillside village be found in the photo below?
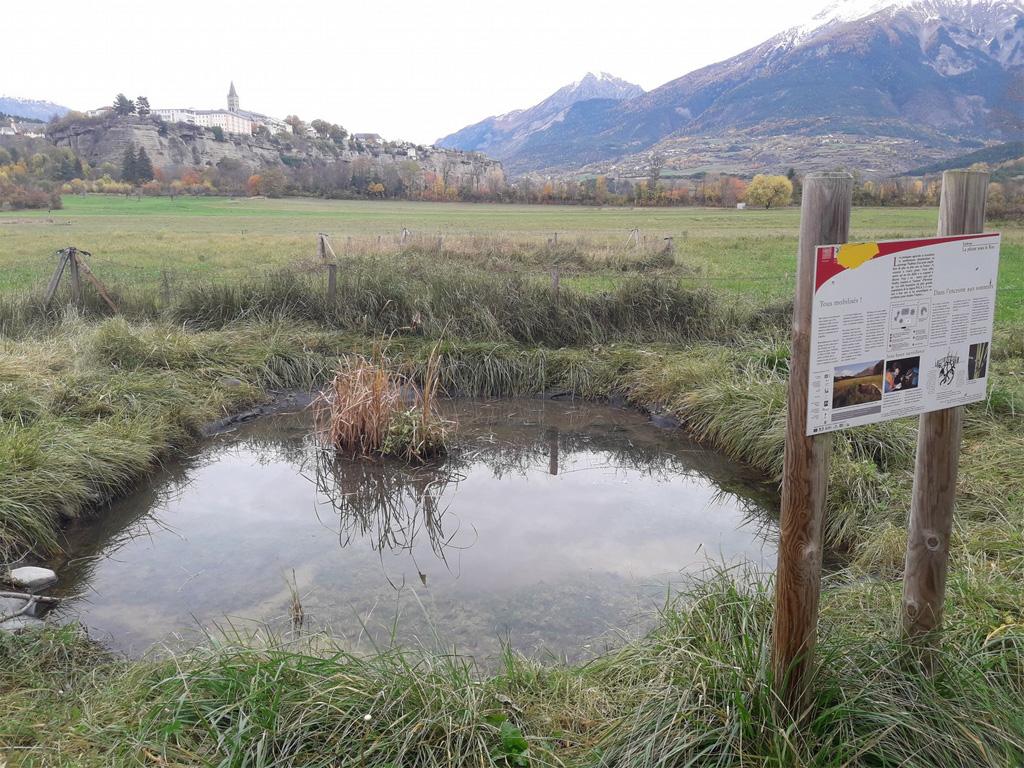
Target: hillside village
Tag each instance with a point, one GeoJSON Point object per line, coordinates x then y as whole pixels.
{"type": "Point", "coordinates": [237, 151]}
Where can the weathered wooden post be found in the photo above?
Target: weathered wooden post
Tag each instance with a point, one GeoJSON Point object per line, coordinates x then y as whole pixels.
{"type": "Point", "coordinates": [321, 247]}
{"type": "Point", "coordinates": [961, 212]}
{"type": "Point", "coordinates": [824, 219]}
{"type": "Point", "coordinates": [51, 287]}
{"type": "Point", "coordinates": [101, 289]}
{"type": "Point", "coordinates": [76, 277]}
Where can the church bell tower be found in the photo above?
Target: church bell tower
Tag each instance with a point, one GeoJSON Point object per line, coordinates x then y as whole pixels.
{"type": "Point", "coordinates": [232, 98]}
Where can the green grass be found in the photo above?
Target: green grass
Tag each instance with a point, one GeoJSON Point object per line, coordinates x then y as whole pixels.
{"type": "Point", "coordinates": [693, 692]}
{"type": "Point", "coordinates": [188, 240]}
{"type": "Point", "coordinates": [89, 406]}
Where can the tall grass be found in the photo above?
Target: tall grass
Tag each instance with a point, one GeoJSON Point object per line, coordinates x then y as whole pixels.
{"type": "Point", "coordinates": [695, 691]}
{"type": "Point", "coordinates": [420, 298]}
{"type": "Point", "coordinates": [371, 408]}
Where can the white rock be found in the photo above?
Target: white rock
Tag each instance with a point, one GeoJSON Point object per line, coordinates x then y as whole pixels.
{"type": "Point", "coordinates": [31, 577]}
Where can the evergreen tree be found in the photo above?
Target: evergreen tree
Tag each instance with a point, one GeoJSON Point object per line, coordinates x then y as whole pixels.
{"type": "Point", "coordinates": [128, 165]}
{"type": "Point", "coordinates": [143, 167]}
{"type": "Point", "coordinates": [123, 106]}
{"type": "Point", "coordinates": [66, 169]}
{"type": "Point", "coordinates": [79, 170]}
{"type": "Point", "coordinates": [142, 106]}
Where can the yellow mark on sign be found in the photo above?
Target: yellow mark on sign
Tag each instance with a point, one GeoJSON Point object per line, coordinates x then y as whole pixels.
{"type": "Point", "coordinates": [852, 255]}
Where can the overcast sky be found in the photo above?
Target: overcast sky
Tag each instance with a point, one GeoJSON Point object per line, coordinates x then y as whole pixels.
{"type": "Point", "coordinates": [406, 70]}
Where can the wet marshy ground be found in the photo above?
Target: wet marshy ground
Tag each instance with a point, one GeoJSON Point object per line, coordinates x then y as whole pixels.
{"type": "Point", "coordinates": [556, 526]}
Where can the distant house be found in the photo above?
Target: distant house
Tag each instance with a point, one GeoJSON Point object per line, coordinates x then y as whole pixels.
{"type": "Point", "coordinates": [230, 120]}
{"type": "Point", "coordinates": [373, 139]}
{"type": "Point", "coordinates": [31, 130]}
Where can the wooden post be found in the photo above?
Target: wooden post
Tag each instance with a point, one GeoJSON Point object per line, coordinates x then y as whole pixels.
{"type": "Point", "coordinates": [961, 212]}
{"type": "Point", "coordinates": [101, 289]}
{"type": "Point", "coordinates": [321, 247]}
{"type": "Point", "coordinates": [51, 287]}
{"type": "Point", "coordinates": [332, 282]}
{"type": "Point", "coordinates": [76, 277]}
{"type": "Point", "coordinates": [824, 219]}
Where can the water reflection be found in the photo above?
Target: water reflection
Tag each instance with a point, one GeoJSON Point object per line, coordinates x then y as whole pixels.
{"type": "Point", "coordinates": [553, 523]}
{"type": "Point", "coordinates": [388, 504]}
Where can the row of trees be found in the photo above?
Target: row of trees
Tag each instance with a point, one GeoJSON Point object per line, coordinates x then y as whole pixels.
{"type": "Point", "coordinates": [123, 106]}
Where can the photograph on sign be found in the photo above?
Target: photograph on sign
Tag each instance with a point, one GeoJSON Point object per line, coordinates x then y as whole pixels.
{"type": "Point", "coordinates": [900, 328]}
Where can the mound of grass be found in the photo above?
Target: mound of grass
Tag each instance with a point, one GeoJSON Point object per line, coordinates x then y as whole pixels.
{"type": "Point", "coordinates": [370, 408]}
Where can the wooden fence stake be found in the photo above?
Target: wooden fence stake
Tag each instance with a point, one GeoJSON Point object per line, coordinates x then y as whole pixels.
{"type": "Point", "coordinates": [824, 219]}
{"type": "Point", "coordinates": [51, 287]}
{"type": "Point", "coordinates": [961, 212]}
{"type": "Point", "coordinates": [321, 247]}
{"type": "Point", "coordinates": [76, 277]}
{"type": "Point", "coordinates": [100, 288]}
{"type": "Point", "coordinates": [332, 282]}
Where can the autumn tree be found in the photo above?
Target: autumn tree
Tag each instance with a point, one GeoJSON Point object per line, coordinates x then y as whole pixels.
{"type": "Point", "coordinates": [298, 127]}
{"type": "Point", "coordinates": [123, 106]}
{"type": "Point", "coordinates": [769, 191]}
{"type": "Point", "coordinates": [273, 183]}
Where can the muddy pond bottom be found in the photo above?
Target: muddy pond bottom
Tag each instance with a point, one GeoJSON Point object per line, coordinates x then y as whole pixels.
{"type": "Point", "coordinates": [556, 527]}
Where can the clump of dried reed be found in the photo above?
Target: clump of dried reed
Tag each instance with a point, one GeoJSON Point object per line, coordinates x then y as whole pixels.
{"type": "Point", "coordinates": [374, 407]}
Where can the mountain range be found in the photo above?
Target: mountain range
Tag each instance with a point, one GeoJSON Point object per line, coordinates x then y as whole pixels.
{"type": "Point", "coordinates": [31, 108]}
{"type": "Point", "coordinates": [503, 136]}
{"type": "Point", "coordinates": [880, 86]}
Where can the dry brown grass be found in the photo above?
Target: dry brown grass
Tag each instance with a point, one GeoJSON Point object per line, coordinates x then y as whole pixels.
{"type": "Point", "coordinates": [374, 407]}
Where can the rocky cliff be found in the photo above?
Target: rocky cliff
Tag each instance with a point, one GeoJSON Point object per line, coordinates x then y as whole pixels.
{"type": "Point", "coordinates": [172, 147]}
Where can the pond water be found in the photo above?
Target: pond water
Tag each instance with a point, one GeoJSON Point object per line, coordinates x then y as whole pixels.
{"type": "Point", "coordinates": [557, 527]}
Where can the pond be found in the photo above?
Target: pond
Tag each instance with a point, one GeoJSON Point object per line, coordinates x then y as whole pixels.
{"type": "Point", "coordinates": [556, 527]}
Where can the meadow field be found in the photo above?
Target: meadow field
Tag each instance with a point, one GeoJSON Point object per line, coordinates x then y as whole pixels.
{"type": "Point", "coordinates": [149, 242]}
{"type": "Point", "coordinates": [223, 301]}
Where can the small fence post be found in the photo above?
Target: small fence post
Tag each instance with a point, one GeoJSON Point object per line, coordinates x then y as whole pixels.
{"type": "Point", "coordinates": [332, 283]}
{"type": "Point", "coordinates": [961, 212]}
{"type": "Point", "coordinates": [76, 276]}
{"type": "Point", "coordinates": [321, 247]}
{"type": "Point", "coordinates": [824, 219]}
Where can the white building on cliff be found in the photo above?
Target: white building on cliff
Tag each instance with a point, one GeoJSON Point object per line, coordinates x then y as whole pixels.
{"type": "Point", "coordinates": [230, 120]}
